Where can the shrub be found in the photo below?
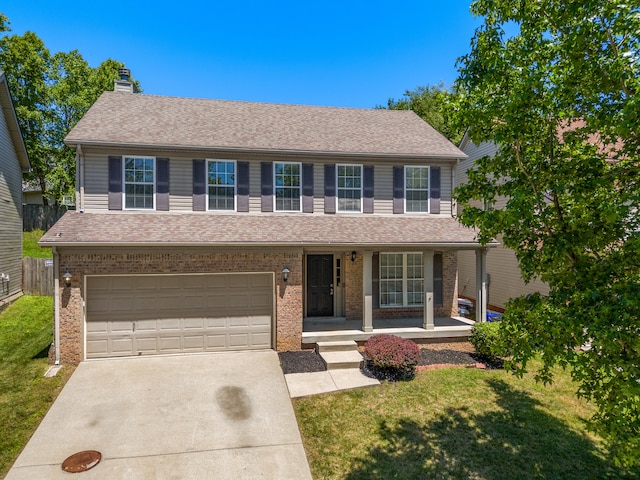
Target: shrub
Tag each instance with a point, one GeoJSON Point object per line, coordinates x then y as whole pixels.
{"type": "Point", "coordinates": [485, 338]}
{"type": "Point", "coordinates": [392, 358]}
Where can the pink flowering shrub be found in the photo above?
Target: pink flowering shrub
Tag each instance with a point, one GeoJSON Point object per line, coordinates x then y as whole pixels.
{"type": "Point", "coordinates": [392, 357]}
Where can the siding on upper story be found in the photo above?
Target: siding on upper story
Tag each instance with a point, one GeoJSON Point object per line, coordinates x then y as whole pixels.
{"type": "Point", "coordinates": [505, 280]}
{"type": "Point", "coordinates": [10, 214]}
{"type": "Point", "coordinates": [96, 179]}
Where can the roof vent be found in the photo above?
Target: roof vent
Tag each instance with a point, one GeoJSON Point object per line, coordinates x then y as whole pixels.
{"type": "Point", "coordinates": [124, 73]}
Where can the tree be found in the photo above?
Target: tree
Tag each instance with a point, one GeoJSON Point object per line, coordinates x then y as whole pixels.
{"type": "Point", "coordinates": [50, 94]}
{"type": "Point", "coordinates": [432, 104]}
{"type": "Point", "coordinates": [560, 98]}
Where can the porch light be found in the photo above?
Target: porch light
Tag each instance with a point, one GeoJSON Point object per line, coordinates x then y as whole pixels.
{"type": "Point", "coordinates": [353, 256]}
{"type": "Point", "coordinates": [67, 279]}
{"type": "Point", "coordinates": [285, 274]}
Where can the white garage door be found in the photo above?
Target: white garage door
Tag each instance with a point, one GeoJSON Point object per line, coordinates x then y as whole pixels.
{"type": "Point", "coordinates": [160, 314]}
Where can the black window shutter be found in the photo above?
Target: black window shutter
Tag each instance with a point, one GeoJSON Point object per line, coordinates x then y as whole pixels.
{"type": "Point", "coordinates": [434, 190]}
{"type": "Point", "coordinates": [199, 186]}
{"type": "Point", "coordinates": [162, 184]}
{"type": "Point", "coordinates": [242, 201]}
{"type": "Point", "coordinates": [115, 183]}
{"type": "Point", "coordinates": [398, 189]}
{"type": "Point", "coordinates": [367, 190]}
{"type": "Point", "coordinates": [375, 273]}
{"type": "Point", "coordinates": [438, 280]}
{"type": "Point", "coordinates": [307, 187]}
{"type": "Point", "coordinates": [330, 188]}
{"type": "Point", "coordinates": [266, 176]}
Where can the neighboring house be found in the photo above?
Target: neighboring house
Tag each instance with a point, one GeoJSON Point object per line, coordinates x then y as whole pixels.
{"type": "Point", "coordinates": [32, 193]}
{"type": "Point", "coordinates": [206, 225]}
{"type": "Point", "coordinates": [13, 162]}
{"type": "Point", "coordinates": [504, 280]}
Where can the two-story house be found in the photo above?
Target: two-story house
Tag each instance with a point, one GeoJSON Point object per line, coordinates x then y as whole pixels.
{"type": "Point", "coordinates": [13, 161]}
{"type": "Point", "coordinates": [206, 225]}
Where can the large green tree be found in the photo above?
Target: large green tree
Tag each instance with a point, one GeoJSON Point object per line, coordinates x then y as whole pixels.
{"type": "Point", "coordinates": [50, 94]}
{"type": "Point", "coordinates": [555, 84]}
{"type": "Point", "coordinates": [432, 103]}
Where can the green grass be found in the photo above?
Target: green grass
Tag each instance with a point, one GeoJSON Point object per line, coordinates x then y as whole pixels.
{"type": "Point", "coordinates": [25, 394]}
{"type": "Point", "coordinates": [30, 246]}
{"type": "Point", "coordinates": [454, 423]}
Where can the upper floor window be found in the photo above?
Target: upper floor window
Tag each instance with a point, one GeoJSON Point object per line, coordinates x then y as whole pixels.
{"type": "Point", "coordinates": [221, 184]}
{"type": "Point", "coordinates": [416, 189]}
{"type": "Point", "coordinates": [349, 188]}
{"type": "Point", "coordinates": [401, 279]}
{"type": "Point", "coordinates": [287, 180]}
{"type": "Point", "coordinates": [139, 182]}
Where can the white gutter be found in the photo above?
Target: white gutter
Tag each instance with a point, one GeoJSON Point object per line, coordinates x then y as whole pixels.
{"type": "Point", "coordinates": [454, 181]}
{"type": "Point", "coordinates": [56, 304]}
{"type": "Point", "coordinates": [351, 246]}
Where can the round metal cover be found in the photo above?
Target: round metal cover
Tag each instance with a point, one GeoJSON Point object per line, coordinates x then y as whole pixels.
{"type": "Point", "coordinates": [82, 461]}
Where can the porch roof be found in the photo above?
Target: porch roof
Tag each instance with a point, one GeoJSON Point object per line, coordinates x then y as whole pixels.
{"type": "Point", "coordinates": [255, 230]}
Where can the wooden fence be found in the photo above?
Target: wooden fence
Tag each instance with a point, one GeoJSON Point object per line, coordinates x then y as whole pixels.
{"type": "Point", "coordinates": [37, 276]}
{"type": "Point", "coordinates": [41, 217]}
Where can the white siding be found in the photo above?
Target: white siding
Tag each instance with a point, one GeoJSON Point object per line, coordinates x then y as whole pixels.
{"type": "Point", "coordinates": [96, 183]}
{"type": "Point", "coordinates": [10, 214]}
{"type": "Point", "coordinates": [505, 281]}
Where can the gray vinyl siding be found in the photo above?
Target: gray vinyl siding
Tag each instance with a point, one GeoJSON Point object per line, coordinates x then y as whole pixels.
{"type": "Point", "coordinates": [181, 179]}
{"type": "Point", "coordinates": [505, 281]}
{"type": "Point", "coordinates": [10, 214]}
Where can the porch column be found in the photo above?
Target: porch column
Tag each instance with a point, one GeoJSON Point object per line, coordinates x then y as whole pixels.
{"type": "Point", "coordinates": [367, 291]}
{"type": "Point", "coordinates": [427, 267]}
{"type": "Point", "coordinates": [481, 285]}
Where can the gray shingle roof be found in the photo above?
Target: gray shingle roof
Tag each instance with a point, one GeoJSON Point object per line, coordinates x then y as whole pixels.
{"type": "Point", "coordinates": [155, 228]}
{"type": "Point", "coordinates": [147, 120]}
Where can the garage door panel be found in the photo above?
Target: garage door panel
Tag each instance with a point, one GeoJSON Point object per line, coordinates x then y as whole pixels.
{"type": "Point", "coordinates": [178, 313]}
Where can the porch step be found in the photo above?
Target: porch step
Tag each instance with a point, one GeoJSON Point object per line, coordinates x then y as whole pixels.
{"type": "Point", "coordinates": [341, 360]}
{"type": "Point", "coordinates": [337, 346]}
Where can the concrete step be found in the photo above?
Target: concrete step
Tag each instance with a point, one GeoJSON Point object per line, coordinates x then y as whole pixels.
{"type": "Point", "coordinates": [336, 346]}
{"type": "Point", "coordinates": [342, 360]}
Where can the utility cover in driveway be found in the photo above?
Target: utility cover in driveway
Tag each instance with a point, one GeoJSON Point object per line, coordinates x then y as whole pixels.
{"type": "Point", "coordinates": [129, 315]}
{"type": "Point", "coordinates": [223, 416]}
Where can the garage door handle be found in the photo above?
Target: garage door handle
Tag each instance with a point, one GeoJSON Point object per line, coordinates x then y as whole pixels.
{"type": "Point", "coordinates": [134, 326]}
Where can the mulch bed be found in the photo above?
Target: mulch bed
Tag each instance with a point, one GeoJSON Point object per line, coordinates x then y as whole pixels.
{"type": "Point", "coordinates": [432, 356]}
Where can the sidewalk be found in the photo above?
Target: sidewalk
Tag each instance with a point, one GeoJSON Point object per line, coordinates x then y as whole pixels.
{"type": "Point", "coordinates": [304, 384]}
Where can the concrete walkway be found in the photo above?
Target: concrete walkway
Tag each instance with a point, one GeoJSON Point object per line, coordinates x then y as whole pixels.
{"type": "Point", "coordinates": [303, 384]}
{"type": "Point", "coordinates": [219, 416]}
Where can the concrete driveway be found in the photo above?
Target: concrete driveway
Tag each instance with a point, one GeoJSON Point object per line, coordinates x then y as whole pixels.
{"type": "Point", "coordinates": [221, 415]}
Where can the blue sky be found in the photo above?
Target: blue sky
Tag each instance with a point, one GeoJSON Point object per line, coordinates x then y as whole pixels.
{"type": "Point", "coordinates": [338, 53]}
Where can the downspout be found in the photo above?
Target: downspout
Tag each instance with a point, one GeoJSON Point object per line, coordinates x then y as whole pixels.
{"type": "Point", "coordinates": [56, 303]}
{"type": "Point", "coordinates": [79, 178]}
{"type": "Point", "coordinates": [454, 181]}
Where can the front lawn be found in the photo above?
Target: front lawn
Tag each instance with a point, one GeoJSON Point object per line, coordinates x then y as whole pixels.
{"type": "Point", "coordinates": [30, 247]}
{"type": "Point", "coordinates": [25, 394]}
{"type": "Point", "coordinates": [454, 423]}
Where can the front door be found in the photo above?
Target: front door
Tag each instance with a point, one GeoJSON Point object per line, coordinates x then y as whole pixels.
{"type": "Point", "coordinates": [319, 285]}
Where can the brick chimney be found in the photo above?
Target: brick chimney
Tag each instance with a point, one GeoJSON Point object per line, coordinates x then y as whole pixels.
{"type": "Point", "coordinates": [124, 84]}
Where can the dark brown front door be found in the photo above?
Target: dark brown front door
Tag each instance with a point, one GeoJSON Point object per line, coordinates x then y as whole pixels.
{"type": "Point", "coordinates": [319, 285]}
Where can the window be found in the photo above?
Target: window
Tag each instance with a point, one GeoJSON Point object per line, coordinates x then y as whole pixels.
{"type": "Point", "coordinates": [139, 182]}
{"type": "Point", "coordinates": [401, 280]}
{"type": "Point", "coordinates": [349, 188]}
{"type": "Point", "coordinates": [416, 189]}
{"type": "Point", "coordinates": [221, 184]}
{"type": "Point", "coordinates": [287, 182]}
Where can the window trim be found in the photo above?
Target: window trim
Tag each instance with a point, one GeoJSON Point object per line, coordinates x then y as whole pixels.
{"type": "Point", "coordinates": [360, 166]}
{"type": "Point", "coordinates": [235, 183]}
{"type": "Point", "coordinates": [405, 280]}
{"type": "Point", "coordinates": [275, 187]}
{"type": "Point", "coordinates": [124, 181]}
{"type": "Point", "coordinates": [428, 200]}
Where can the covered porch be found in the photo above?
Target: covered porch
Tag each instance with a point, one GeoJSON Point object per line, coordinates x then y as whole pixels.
{"type": "Point", "coordinates": [337, 329]}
